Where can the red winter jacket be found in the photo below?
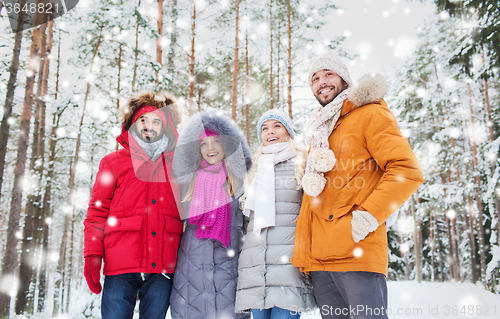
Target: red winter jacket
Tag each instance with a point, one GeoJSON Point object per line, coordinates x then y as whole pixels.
{"type": "Point", "coordinates": [133, 221]}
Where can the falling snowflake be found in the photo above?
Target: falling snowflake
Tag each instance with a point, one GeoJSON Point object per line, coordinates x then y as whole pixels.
{"type": "Point", "coordinates": [406, 132]}
{"type": "Point", "coordinates": [357, 252]}
{"type": "Point", "coordinates": [112, 221]}
{"type": "Point", "coordinates": [404, 248]}
{"type": "Point", "coordinates": [8, 285]}
{"type": "Point", "coordinates": [54, 257]}
{"type": "Point", "coordinates": [106, 178]}
{"type": "Point", "coordinates": [455, 132]}
{"type": "Point", "coordinates": [393, 206]}
{"type": "Point", "coordinates": [421, 92]}
{"type": "Point", "coordinates": [451, 214]}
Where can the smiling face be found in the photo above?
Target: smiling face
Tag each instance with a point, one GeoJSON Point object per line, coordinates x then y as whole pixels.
{"type": "Point", "coordinates": [326, 85]}
{"type": "Point", "coordinates": [273, 131]}
{"type": "Point", "coordinates": [149, 127]}
{"type": "Point", "coordinates": [211, 149]}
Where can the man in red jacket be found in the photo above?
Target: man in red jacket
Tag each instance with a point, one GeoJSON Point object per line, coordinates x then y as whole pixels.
{"type": "Point", "coordinates": [133, 221]}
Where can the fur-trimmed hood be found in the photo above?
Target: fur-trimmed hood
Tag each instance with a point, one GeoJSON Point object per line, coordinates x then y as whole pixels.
{"type": "Point", "coordinates": [158, 100]}
{"type": "Point", "coordinates": [368, 89]}
{"type": "Point", "coordinates": [187, 156]}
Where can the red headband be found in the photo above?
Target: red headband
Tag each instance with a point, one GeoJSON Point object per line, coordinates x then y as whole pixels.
{"type": "Point", "coordinates": [149, 109]}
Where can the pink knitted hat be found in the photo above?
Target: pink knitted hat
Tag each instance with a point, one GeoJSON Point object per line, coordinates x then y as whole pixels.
{"type": "Point", "coordinates": [207, 133]}
{"type": "Point", "coordinates": [330, 61]}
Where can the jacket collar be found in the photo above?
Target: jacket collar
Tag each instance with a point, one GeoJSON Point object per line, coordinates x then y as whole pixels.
{"type": "Point", "coordinates": [122, 139]}
{"type": "Point", "coordinates": [347, 107]}
{"type": "Point", "coordinates": [370, 88]}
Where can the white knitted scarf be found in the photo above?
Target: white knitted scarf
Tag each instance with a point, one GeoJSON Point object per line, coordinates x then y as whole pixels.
{"type": "Point", "coordinates": [261, 193]}
{"type": "Point", "coordinates": [321, 158]}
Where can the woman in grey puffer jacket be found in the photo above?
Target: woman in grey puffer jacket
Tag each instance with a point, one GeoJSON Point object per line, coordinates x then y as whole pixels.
{"type": "Point", "coordinates": [210, 162]}
{"type": "Point", "coordinates": [268, 284]}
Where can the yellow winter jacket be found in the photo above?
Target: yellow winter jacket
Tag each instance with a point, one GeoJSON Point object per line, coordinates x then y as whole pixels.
{"type": "Point", "coordinates": [376, 171]}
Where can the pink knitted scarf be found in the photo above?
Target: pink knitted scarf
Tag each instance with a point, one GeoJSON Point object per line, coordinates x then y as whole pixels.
{"type": "Point", "coordinates": [210, 206]}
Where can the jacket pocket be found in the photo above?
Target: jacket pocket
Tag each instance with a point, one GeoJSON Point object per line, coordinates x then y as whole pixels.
{"type": "Point", "coordinates": [171, 239]}
{"type": "Point", "coordinates": [123, 235]}
{"type": "Point", "coordinates": [332, 238]}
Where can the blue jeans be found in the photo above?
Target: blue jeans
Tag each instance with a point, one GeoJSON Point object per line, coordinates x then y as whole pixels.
{"type": "Point", "coordinates": [274, 313]}
{"type": "Point", "coordinates": [121, 291]}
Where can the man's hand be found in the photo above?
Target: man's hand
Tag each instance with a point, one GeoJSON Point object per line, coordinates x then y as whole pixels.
{"type": "Point", "coordinates": [362, 224]}
{"type": "Point", "coordinates": [92, 273]}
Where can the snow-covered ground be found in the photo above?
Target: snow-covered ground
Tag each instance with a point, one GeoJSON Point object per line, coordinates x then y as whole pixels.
{"type": "Point", "coordinates": [409, 299]}
{"type": "Point", "coordinates": [435, 300]}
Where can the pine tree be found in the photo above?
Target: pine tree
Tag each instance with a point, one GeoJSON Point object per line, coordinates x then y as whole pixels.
{"type": "Point", "coordinates": [11, 86]}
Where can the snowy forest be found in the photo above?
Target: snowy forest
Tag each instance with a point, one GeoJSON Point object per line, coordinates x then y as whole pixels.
{"type": "Point", "coordinates": [63, 81]}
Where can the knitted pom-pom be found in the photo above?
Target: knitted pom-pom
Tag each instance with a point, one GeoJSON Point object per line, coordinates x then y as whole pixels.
{"type": "Point", "coordinates": [313, 184]}
{"type": "Point", "coordinates": [323, 160]}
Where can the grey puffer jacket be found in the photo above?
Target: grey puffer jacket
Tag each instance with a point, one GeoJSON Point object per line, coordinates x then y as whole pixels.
{"type": "Point", "coordinates": [206, 273]}
{"type": "Point", "coordinates": [266, 277]}
{"type": "Point", "coordinates": [204, 284]}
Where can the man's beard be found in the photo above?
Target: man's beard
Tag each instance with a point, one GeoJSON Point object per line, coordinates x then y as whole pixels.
{"type": "Point", "coordinates": [324, 102]}
{"type": "Point", "coordinates": [149, 139]}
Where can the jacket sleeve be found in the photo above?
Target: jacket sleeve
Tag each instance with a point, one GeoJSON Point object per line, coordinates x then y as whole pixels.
{"type": "Point", "coordinates": [392, 152]}
{"type": "Point", "coordinates": [98, 211]}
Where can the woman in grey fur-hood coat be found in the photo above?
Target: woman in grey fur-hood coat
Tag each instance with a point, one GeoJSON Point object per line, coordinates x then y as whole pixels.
{"type": "Point", "coordinates": [204, 284]}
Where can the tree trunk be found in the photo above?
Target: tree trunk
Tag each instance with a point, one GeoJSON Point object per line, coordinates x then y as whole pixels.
{"type": "Point", "coordinates": [69, 264]}
{"type": "Point", "coordinates": [48, 191]}
{"type": "Point", "coordinates": [118, 87]}
{"type": "Point", "coordinates": [289, 14]}
{"type": "Point", "coordinates": [160, 37]}
{"type": "Point", "coordinates": [59, 284]}
{"type": "Point", "coordinates": [278, 71]}
{"type": "Point", "coordinates": [173, 40]}
{"type": "Point", "coordinates": [11, 87]}
{"type": "Point", "coordinates": [271, 54]}
{"type": "Point", "coordinates": [480, 224]}
{"type": "Point", "coordinates": [191, 62]}
{"type": "Point", "coordinates": [247, 88]}
{"type": "Point", "coordinates": [58, 65]}
{"type": "Point", "coordinates": [40, 279]}
{"type": "Point", "coordinates": [136, 51]}
{"type": "Point", "coordinates": [487, 102]}
{"type": "Point", "coordinates": [416, 246]}
{"type": "Point", "coordinates": [432, 228]}
{"type": "Point", "coordinates": [452, 235]}
{"type": "Point", "coordinates": [236, 64]}
{"type": "Point", "coordinates": [47, 212]}
{"type": "Point", "coordinates": [10, 260]}
{"type": "Point", "coordinates": [29, 245]}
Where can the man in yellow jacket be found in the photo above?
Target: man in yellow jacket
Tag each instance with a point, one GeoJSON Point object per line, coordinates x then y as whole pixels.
{"type": "Point", "coordinates": [359, 171]}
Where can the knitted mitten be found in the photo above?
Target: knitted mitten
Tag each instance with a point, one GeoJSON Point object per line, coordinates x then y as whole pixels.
{"type": "Point", "coordinates": [362, 224]}
{"type": "Point", "coordinates": [92, 273]}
